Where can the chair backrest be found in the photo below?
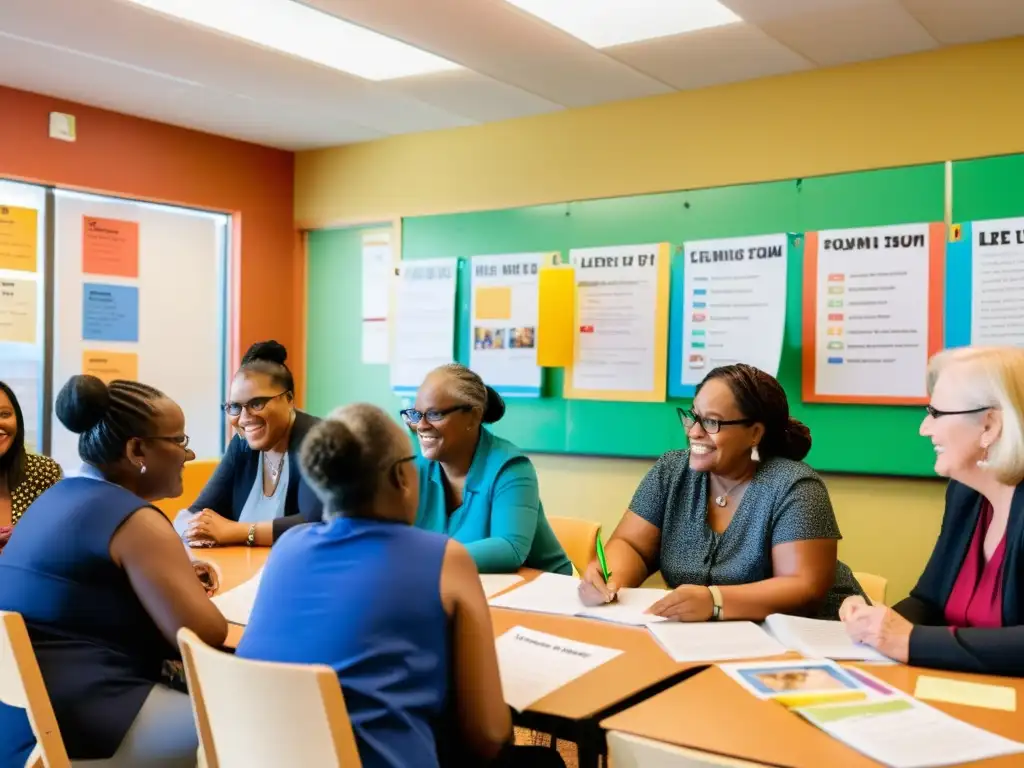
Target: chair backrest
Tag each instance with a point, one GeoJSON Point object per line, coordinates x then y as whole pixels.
{"type": "Point", "coordinates": [578, 538]}
{"type": "Point", "coordinates": [21, 685]}
{"type": "Point", "coordinates": [874, 586]}
{"type": "Point", "coordinates": [628, 751]}
{"type": "Point", "coordinates": [193, 479]}
{"type": "Point", "coordinates": [240, 706]}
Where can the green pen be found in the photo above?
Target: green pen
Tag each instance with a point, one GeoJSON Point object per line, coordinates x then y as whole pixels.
{"type": "Point", "coordinates": [601, 558]}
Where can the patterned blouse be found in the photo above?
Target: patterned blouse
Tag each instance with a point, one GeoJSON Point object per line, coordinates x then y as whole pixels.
{"type": "Point", "coordinates": [40, 473]}
{"type": "Point", "coordinates": [785, 502]}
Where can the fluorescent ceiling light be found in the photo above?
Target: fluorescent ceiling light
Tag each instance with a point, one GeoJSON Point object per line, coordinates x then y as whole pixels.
{"type": "Point", "coordinates": [298, 30]}
{"type": "Point", "coordinates": [604, 23]}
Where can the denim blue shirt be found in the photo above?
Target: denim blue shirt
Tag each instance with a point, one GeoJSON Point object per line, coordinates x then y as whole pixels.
{"type": "Point", "coordinates": [501, 520]}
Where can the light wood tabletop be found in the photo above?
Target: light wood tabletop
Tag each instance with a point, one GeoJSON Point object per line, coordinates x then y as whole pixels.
{"type": "Point", "coordinates": [712, 713]}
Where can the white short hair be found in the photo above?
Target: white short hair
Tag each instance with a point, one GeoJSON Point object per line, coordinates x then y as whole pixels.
{"type": "Point", "coordinates": [991, 377]}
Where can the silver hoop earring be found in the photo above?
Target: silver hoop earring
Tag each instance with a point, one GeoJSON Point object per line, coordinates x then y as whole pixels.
{"type": "Point", "coordinates": [755, 455]}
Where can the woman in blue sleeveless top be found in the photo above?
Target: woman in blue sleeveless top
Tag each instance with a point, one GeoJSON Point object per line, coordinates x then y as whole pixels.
{"type": "Point", "coordinates": [398, 612]}
{"type": "Point", "coordinates": [104, 584]}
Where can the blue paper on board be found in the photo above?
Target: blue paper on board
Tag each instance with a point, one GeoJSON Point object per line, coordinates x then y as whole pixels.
{"type": "Point", "coordinates": [110, 312]}
{"type": "Point", "coordinates": [959, 288]}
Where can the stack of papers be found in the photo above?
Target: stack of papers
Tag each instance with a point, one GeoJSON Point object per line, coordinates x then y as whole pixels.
{"type": "Point", "coordinates": [559, 595]}
{"type": "Point", "coordinates": [818, 639]}
{"type": "Point", "coordinates": [717, 641]}
{"type": "Point", "coordinates": [533, 664]}
{"type": "Point", "coordinates": [236, 604]}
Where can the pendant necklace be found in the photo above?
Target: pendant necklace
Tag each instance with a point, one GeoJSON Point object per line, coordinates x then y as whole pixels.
{"type": "Point", "coordinates": [722, 499]}
{"type": "Point", "coordinates": [274, 471]}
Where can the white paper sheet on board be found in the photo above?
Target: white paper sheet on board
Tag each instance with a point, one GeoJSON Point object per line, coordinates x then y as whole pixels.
{"type": "Point", "coordinates": [997, 282]}
{"type": "Point", "coordinates": [378, 272]}
{"type": "Point", "coordinates": [424, 320]}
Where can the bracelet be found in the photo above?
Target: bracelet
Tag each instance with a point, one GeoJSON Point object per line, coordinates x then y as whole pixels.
{"type": "Point", "coordinates": [717, 613]}
{"type": "Point", "coordinates": [251, 538]}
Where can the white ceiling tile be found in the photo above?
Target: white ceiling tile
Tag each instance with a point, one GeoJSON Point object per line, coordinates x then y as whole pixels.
{"type": "Point", "coordinates": [473, 96]}
{"type": "Point", "coordinates": [711, 56]}
{"type": "Point", "coordinates": [851, 32]}
{"type": "Point", "coordinates": [953, 22]}
{"type": "Point", "coordinates": [758, 11]}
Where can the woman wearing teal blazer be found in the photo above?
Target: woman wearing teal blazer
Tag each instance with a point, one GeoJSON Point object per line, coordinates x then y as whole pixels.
{"type": "Point", "coordinates": [474, 486]}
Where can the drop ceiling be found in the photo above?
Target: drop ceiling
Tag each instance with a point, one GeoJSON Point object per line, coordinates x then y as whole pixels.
{"type": "Point", "coordinates": [116, 55]}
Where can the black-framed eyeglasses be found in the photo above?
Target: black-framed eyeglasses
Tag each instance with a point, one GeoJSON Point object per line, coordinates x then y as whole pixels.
{"type": "Point", "coordinates": [255, 405]}
{"type": "Point", "coordinates": [935, 413]}
{"type": "Point", "coordinates": [181, 441]}
{"type": "Point", "coordinates": [433, 415]}
{"type": "Point", "coordinates": [710, 425]}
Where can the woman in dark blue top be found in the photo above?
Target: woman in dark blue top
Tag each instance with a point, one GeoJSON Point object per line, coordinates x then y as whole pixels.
{"type": "Point", "coordinates": [103, 584]}
{"type": "Point", "coordinates": [398, 612]}
{"type": "Point", "coordinates": [257, 492]}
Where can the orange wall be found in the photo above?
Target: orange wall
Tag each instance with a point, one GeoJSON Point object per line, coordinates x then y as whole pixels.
{"type": "Point", "coordinates": [130, 157]}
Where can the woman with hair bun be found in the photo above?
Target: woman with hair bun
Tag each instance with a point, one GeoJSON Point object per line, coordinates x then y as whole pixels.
{"type": "Point", "coordinates": [474, 486]}
{"type": "Point", "coordinates": [104, 584]}
{"type": "Point", "coordinates": [738, 525]}
{"type": "Point", "coordinates": [257, 492]}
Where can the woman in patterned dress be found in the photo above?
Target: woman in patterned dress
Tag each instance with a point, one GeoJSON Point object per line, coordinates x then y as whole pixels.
{"type": "Point", "coordinates": [739, 526]}
{"type": "Point", "coordinates": [23, 475]}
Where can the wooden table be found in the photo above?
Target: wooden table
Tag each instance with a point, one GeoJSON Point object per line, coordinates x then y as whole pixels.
{"type": "Point", "coordinates": [710, 712]}
{"type": "Point", "coordinates": [237, 565]}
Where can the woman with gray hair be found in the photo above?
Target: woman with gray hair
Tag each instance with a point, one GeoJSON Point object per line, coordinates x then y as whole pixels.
{"type": "Point", "coordinates": [397, 612]}
{"type": "Point", "coordinates": [474, 486]}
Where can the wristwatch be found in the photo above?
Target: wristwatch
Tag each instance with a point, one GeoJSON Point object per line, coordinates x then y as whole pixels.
{"type": "Point", "coordinates": [251, 538]}
{"type": "Point", "coordinates": [716, 597]}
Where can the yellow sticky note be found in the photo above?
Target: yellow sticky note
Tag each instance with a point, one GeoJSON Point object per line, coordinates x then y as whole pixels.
{"type": "Point", "coordinates": [494, 302]}
{"type": "Point", "coordinates": [111, 365]}
{"type": "Point", "coordinates": [970, 694]}
{"type": "Point", "coordinates": [18, 242]}
{"type": "Point", "coordinates": [556, 316]}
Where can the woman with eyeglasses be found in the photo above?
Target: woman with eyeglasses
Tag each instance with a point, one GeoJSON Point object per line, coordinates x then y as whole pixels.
{"type": "Point", "coordinates": [23, 475]}
{"type": "Point", "coordinates": [738, 525]}
{"type": "Point", "coordinates": [104, 585]}
{"type": "Point", "coordinates": [257, 491]}
{"type": "Point", "coordinates": [967, 611]}
{"type": "Point", "coordinates": [474, 486]}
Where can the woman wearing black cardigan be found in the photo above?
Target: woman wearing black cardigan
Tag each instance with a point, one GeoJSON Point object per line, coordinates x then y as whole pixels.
{"type": "Point", "coordinates": [257, 492]}
{"type": "Point", "coordinates": [967, 610]}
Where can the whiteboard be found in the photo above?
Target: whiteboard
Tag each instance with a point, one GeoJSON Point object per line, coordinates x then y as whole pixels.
{"type": "Point", "coordinates": [182, 261]}
{"type": "Point", "coordinates": [21, 364]}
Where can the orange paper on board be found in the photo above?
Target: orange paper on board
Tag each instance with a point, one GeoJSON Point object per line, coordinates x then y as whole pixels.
{"type": "Point", "coordinates": [109, 366]}
{"type": "Point", "coordinates": [19, 246]}
{"type": "Point", "coordinates": [110, 247]}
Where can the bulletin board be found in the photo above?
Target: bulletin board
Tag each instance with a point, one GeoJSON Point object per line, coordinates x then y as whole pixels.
{"type": "Point", "coordinates": [878, 440]}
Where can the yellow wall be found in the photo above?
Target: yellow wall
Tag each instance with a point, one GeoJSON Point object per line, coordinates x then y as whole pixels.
{"type": "Point", "coordinates": [929, 107]}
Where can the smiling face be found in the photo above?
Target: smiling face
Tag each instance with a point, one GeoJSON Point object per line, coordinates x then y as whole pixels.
{"type": "Point", "coordinates": [726, 452]}
{"type": "Point", "coordinates": [448, 428]}
{"type": "Point", "coordinates": [960, 440]}
{"type": "Point", "coordinates": [9, 425]}
{"type": "Point", "coordinates": [164, 455]}
{"type": "Point", "coordinates": [267, 415]}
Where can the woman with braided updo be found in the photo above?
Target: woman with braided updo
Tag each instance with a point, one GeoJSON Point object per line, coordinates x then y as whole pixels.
{"type": "Point", "coordinates": [103, 583]}
{"type": "Point", "coordinates": [739, 526]}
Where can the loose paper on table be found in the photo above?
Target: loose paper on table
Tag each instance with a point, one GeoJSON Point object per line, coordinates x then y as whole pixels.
{"type": "Point", "coordinates": [1002, 697]}
{"type": "Point", "coordinates": [533, 664]}
{"type": "Point", "coordinates": [424, 321]}
{"type": "Point", "coordinates": [19, 236]}
{"type": "Point", "coordinates": [493, 583]}
{"type": "Point", "coordinates": [503, 331]}
{"type": "Point", "coordinates": [873, 303]}
{"type": "Point", "coordinates": [717, 641]}
{"type": "Point", "coordinates": [555, 594]}
{"type": "Point", "coordinates": [18, 310]}
{"type": "Point", "coordinates": [110, 247]}
{"type": "Point", "coordinates": [819, 639]}
{"type": "Point", "coordinates": [729, 287]}
{"type": "Point", "coordinates": [377, 275]}
{"type": "Point", "coordinates": [621, 346]}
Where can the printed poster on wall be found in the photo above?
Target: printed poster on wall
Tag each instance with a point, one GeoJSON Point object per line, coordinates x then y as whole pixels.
{"type": "Point", "coordinates": [985, 284]}
{"type": "Point", "coordinates": [503, 333]}
{"type": "Point", "coordinates": [110, 247]}
{"type": "Point", "coordinates": [424, 321]}
{"type": "Point", "coordinates": [872, 313]}
{"type": "Point", "coordinates": [19, 236]}
{"type": "Point", "coordinates": [621, 346]}
{"type": "Point", "coordinates": [110, 312]}
{"type": "Point", "coordinates": [378, 270]}
{"type": "Point", "coordinates": [18, 311]}
{"type": "Point", "coordinates": [733, 307]}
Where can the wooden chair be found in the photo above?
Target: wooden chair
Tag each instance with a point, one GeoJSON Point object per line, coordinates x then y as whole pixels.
{"type": "Point", "coordinates": [193, 479]}
{"type": "Point", "coordinates": [21, 685]}
{"type": "Point", "coordinates": [578, 538]}
{"type": "Point", "coordinates": [874, 586]}
{"type": "Point", "coordinates": [628, 751]}
{"type": "Point", "coordinates": [253, 714]}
